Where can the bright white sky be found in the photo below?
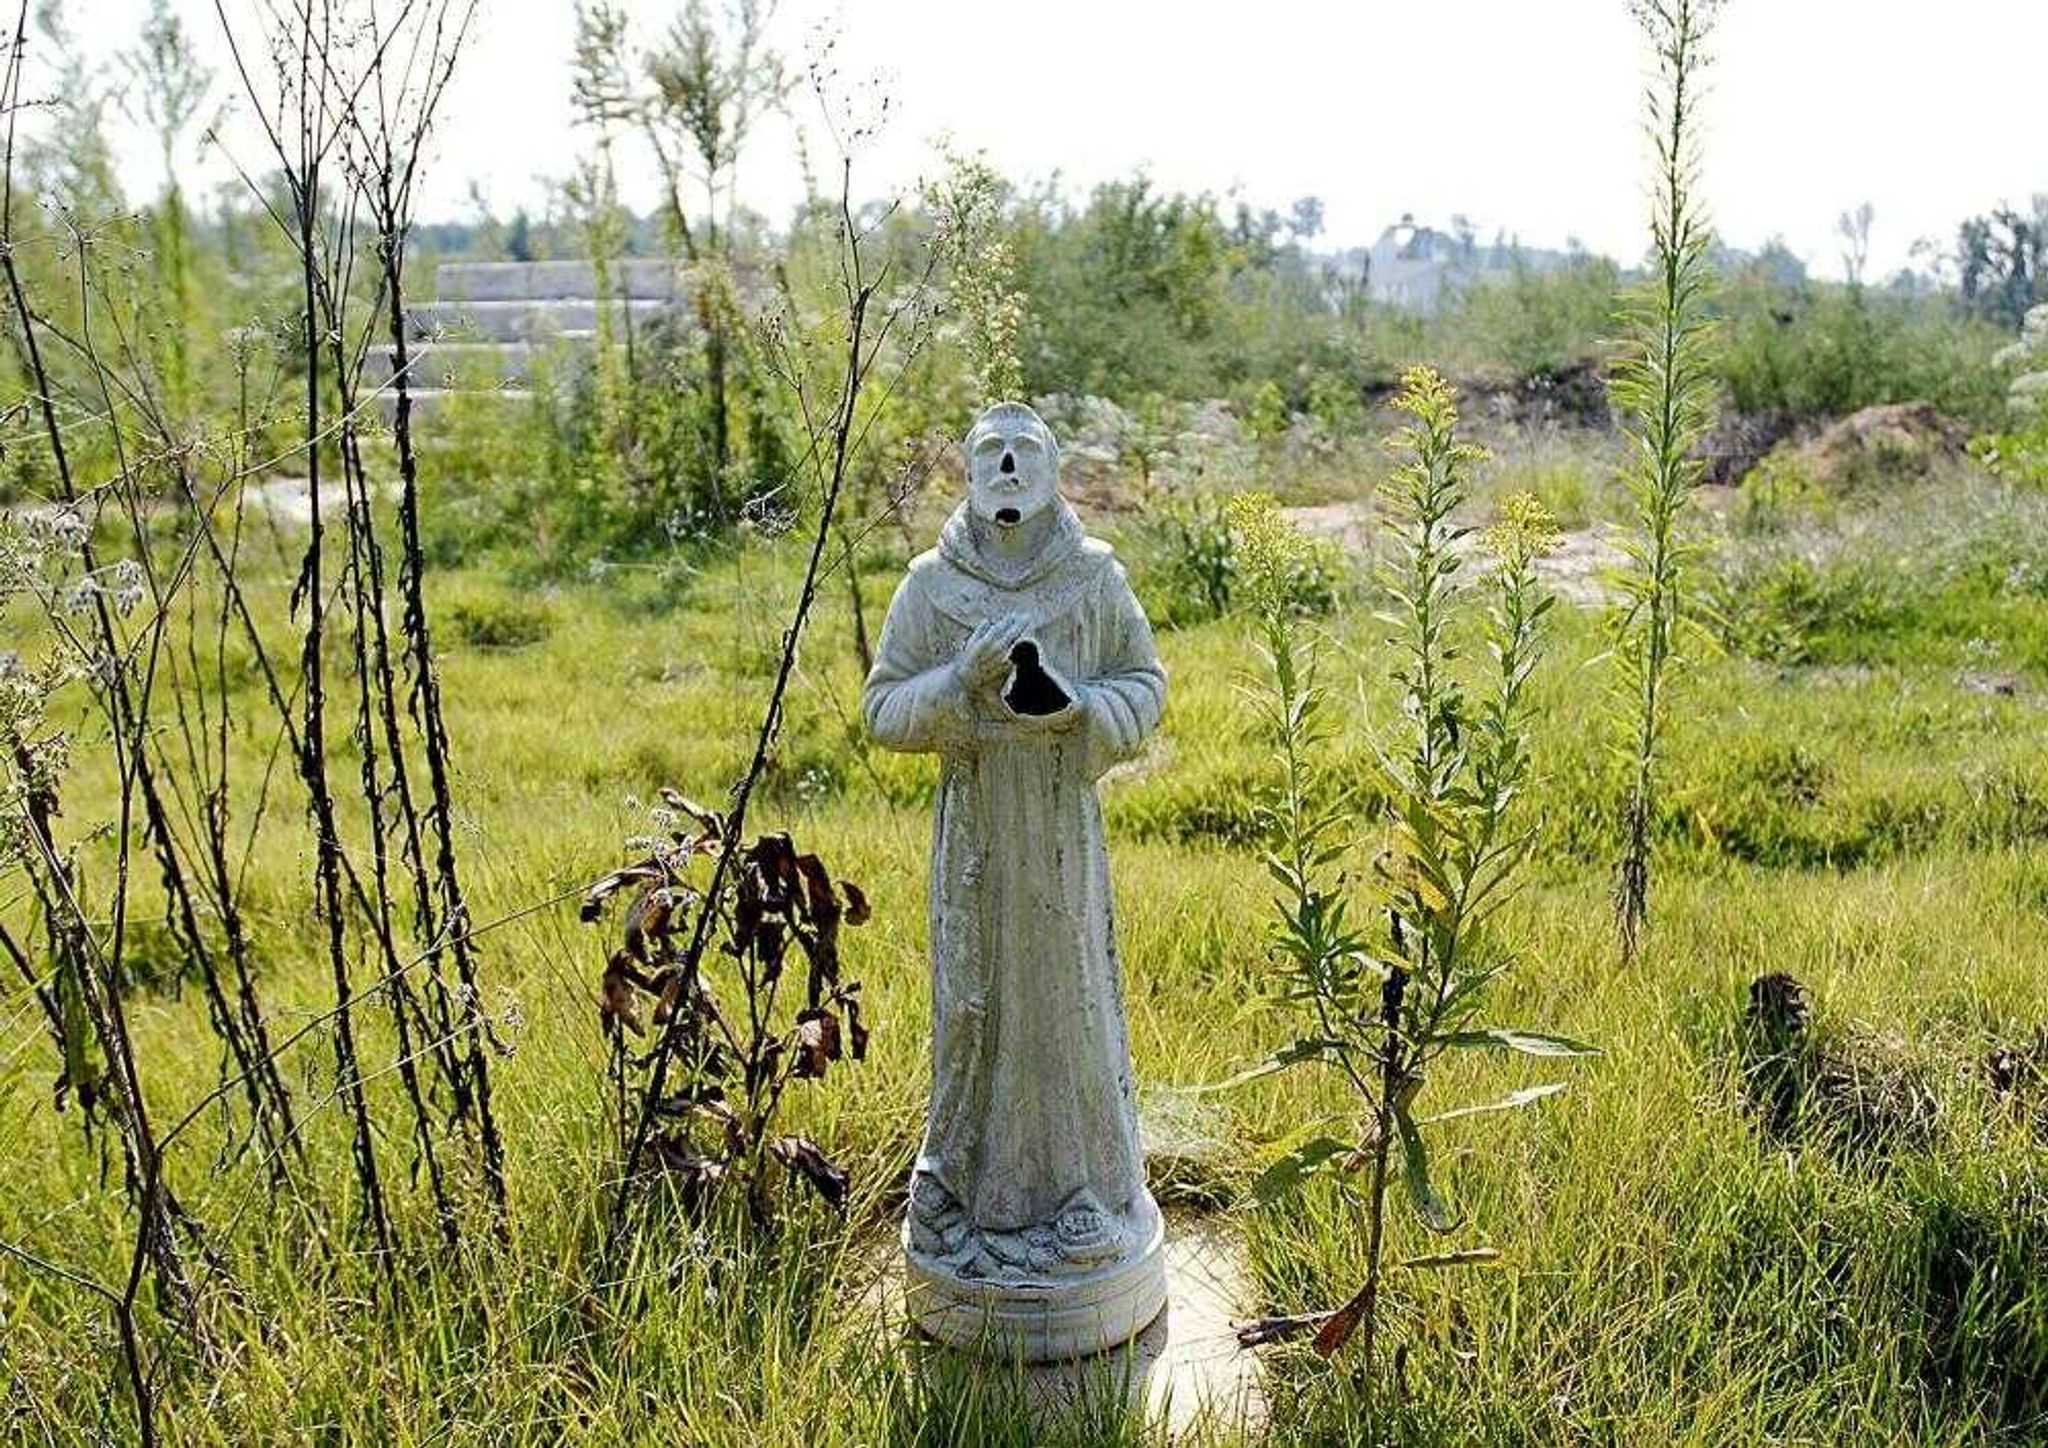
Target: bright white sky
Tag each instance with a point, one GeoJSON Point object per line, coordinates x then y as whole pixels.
{"type": "Point", "coordinates": [1522, 114]}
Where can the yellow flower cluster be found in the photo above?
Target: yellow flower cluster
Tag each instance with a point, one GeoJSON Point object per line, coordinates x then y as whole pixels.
{"type": "Point", "coordinates": [1524, 530]}
{"type": "Point", "coordinates": [1270, 550]}
{"type": "Point", "coordinates": [1432, 401]}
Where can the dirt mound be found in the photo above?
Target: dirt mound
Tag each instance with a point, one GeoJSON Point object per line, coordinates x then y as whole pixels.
{"type": "Point", "coordinates": [1573, 395]}
{"type": "Point", "coordinates": [1737, 442]}
{"type": "Point", "coordinates": [1896, 442]}
{"type": "Point", "coordinates": [1855, 1091]}
{"type": "Point", "coordinates": [1577, 569]}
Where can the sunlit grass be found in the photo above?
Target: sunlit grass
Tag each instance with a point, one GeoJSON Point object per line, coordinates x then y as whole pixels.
{"type": "Point", "coordinates": [1670, 1276]}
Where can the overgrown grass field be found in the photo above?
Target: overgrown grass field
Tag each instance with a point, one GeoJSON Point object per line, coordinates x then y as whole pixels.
{"type": "Point", "coordinates": [1679, 1265]}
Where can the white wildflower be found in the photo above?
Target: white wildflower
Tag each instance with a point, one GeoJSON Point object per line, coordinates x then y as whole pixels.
{"type": "Point", "coordinates": [128, 586]}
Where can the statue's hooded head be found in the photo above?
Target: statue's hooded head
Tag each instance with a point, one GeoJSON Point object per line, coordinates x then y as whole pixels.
{"type": "Point", "coordinates": [1013, 466]}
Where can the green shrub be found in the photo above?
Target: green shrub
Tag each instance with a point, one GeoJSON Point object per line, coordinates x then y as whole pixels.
{"type": "Point", "coordinates": [1792, 610]}
{"type": "Point", "coordinates": [1185, 562]}
{"type": "Point", "coordinates": [1808, 351]}
{"type": "Point", "coordinates": [1333, 402]}
{"type": "Point", "coordinates": [2019, 456]}
{"type": "Point", "coordinates": [1943, 573]}
{"type": "Point", "coordinates": [1186, 566]}
{"type": "Point", "coordinates": [491, 621]}
{"type": "Point", "coordinates": [1775, 494]}
{"type": "Point", "coordinates": [1533, 323]}
{"type": "Point", "coordinates": [1268, 416]}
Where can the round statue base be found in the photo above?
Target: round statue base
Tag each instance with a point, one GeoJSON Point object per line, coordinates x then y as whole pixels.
{"type": "Point", "coordinates": [1045, 1321]}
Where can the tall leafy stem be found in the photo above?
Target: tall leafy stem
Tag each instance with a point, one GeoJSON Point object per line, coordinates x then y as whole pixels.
{"type": "Point", "coordinates": [1665, 388]}
{"type": "Point", "coordinates": [1387, 1006]}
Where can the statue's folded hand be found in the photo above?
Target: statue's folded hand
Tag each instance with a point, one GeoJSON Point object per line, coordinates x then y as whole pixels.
{"type": "Point", "coordinates": [984, 659]}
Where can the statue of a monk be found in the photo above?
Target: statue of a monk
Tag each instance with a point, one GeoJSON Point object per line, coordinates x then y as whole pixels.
{"type": "Point", "coordinates": [1016, 652]}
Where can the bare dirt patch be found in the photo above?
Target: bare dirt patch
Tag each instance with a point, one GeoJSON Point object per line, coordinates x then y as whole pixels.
{"type": "Point", "coordinates": [1577, 570]}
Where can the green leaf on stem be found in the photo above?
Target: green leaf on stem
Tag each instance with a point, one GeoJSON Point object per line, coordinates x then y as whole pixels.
{"type": "Point", "coordinates": [1297, 1166]}
{"type": "Point", "coordinates": [1466, 1257]}
{"type": "Point", "coordinates": [1308, 1048]}
{"type": "Point", "coordinates": [1529, 1043]}
{"type": "Point", "coordinates": [1429, 1202]}
{"type": "Point", "coordinates": [1527, 1096]}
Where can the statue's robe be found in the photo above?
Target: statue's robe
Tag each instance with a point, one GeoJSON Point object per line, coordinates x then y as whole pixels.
{"type": "Point", "coordinates": [1033, 1109]}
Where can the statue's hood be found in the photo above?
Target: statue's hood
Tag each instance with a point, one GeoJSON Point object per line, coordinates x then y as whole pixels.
{"type": "Point", "coordinates": [970, 582]}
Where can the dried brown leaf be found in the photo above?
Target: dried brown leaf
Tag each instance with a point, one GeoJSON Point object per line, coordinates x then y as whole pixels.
{"type": "Point", "coordinates": [1263, 1330]}
{"type": "Point", "coordinates": [1337, 1330]}
{"type": "Point", "coordinates": [747, 913]}
{"type": "Point", "coordinates": [619, 1002]}
{"type": "Point", "coordinates": [820, 904]}
{"type": "Point", "coordinates": [594, 898]}
{"type": "Point", "coordinates": [668, 988]}
{"type": "Point", "coordinates": [649, 919]}
{"type": "Point", "coordinates": [856, 1032]}
{"type": "Point", "coordinates": [707, 820]}
{"type": "Point", "coordinates": [770, 943]}
{"type": "Point", "coordinates": [773, 859]}
{"type": "Point", "coordinates": [801, 1155]}
{"type": "Point", "coordinates": [816, 1043]}
{"type": "Point", "coordinates": [697, 1173]}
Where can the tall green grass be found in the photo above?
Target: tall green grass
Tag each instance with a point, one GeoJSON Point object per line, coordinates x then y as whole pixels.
{"type": "Point", "coordinates": [1672, 1274]}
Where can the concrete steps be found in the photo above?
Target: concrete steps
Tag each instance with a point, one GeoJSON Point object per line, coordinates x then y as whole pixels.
{"type": "Point", "coordinates": [453, 364]}
{"type": "Point", "coordinates": [493, 321]}
{"type": "Point", "coordinates": [565, 281]}
{"type": "Point", "coordinates": [426, 401]}
{"type": "Point", "coordinates": [525, 320]}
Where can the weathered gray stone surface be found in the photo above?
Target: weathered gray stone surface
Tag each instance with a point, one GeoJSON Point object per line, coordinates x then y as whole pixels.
{"type": "Point", "coordinates": [512, 281]}
{"type": "Point", "coordinates": [1184, 1375]}
{"type": "Point", "coordinates": [523, 320]}
{"type": "Point", "coordinates": [493, 320]}
{"type": "Point", "coordinates": [1016, 652]}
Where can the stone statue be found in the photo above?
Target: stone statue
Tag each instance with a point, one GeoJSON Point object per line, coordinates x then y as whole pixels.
{"type": "Point", "coordinates": [1016, 652]}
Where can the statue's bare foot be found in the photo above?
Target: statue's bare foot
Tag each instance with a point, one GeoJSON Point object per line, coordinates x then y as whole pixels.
{"type": "Point", "coordinates": [1029, 1252]}
{"type": "Point", "coordinates": [1087, 1234]}
{"type": "Point", "coordinates": [938, 1223]}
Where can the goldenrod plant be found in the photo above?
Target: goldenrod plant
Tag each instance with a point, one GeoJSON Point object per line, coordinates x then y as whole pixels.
{"type": "Point", "coordinates": [1386, 1004]}
{"type": "Point", "coordinates": [981, 291]}
{"type": "Point", "coordinates": [1664, 389]}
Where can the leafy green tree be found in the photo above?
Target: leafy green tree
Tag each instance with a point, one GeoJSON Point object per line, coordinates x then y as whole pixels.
{"type": "Point", "coordinates": [966, 206]}
{"type": "Point", "coordinates": [169, 84]}
{"type": "Point", "coordinates": [168, 88]}
{"type": "Point", "coordinates": [713, 77]}
{"type": "Point", "coordinates": [2002, 262]}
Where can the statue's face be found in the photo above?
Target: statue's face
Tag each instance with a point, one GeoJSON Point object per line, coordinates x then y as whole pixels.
{"type": "Point", "coordinates": [1012, 467]}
